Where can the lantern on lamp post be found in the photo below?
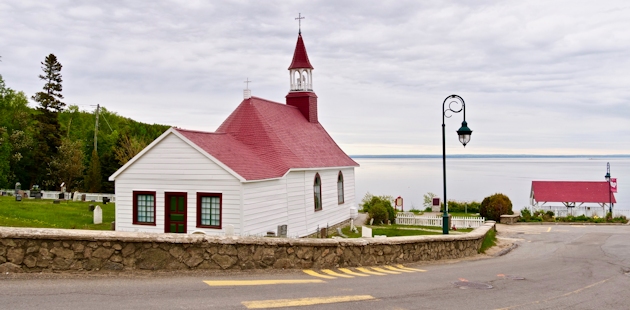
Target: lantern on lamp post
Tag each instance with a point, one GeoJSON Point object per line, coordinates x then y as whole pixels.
{"type": "Point", "coordinates": [464, 134]}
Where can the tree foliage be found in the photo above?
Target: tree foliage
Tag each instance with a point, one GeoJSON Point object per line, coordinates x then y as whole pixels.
{"type": "Point", "coordinates": [93, 176]}
{"type": "Point", "coordinates": [67, 166]}
{"type": "Point", "coordinates": [48, 136]}
{"type": "Point", "coordinates": [492, 207]}
{"type": "Point", "coordinates": [53, 144]}
{"type": "Point", "coordinates": [373, 205]}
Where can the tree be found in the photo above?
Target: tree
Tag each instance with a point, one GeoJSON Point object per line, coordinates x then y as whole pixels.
{"type": "Point", "coordinates": [48, 135]}
{"type": "Point", "coordinates": [492, 207]}
{"type": "Point", "coordinates": [16, 118]}
{"type": "Point", "coordinates": [93, 177]}
{"type": "Point", "coordinates": [67, 166]}
{"type": "Point", "coordinates": [428, 200]}
{"type": "Point", "coordinates": [128, 148]}
{"type": "Point", "coordinates": [5, 158]}
{"type": "Point", "coordinates": [49, 99]}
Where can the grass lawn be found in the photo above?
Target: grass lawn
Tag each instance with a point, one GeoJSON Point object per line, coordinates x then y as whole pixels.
{"type": "Point", "coordinates": [462, 214]}
{"type": "Point", "coordinates": [44, 214]}
{"type": "Point", "coordinates": [400, 230]}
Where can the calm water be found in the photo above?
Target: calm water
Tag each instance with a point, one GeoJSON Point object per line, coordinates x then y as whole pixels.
{"type": "Point", "coordinates": [475, 178]}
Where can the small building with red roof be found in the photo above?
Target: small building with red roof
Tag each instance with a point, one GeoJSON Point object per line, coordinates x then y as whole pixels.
{"type": "Point", "coordinates": [268, 164]}
{"type": "Point", "coordinates": [571, 193]}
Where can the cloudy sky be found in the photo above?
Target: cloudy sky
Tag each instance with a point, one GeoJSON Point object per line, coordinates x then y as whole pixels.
{"type": "Point", "coordinates": [538, 77]}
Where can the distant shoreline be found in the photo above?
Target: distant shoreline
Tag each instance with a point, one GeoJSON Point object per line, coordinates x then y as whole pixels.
{"type": "Point", "coordinates": [488, 156]}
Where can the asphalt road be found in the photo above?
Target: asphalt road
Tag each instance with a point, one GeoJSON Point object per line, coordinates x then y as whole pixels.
{"type": "Point", "coordinates": [553, 267]}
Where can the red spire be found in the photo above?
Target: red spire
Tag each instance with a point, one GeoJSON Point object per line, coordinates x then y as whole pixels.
{"type": "Point", "coordinates": [300, 58]}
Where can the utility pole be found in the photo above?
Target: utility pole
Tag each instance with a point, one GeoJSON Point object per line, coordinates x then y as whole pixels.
{"type": "Point", "coordinates": [98, 107]}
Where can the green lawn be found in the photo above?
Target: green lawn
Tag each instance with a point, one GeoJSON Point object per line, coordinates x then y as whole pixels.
{"type": "Point", "coordinates": [44, 214]}
{"type": "Point", "coordinates": [400, 230]}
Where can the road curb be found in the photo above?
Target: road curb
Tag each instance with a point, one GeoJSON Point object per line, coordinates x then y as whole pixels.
{"type": "Point", "coordinates": [506, 250]}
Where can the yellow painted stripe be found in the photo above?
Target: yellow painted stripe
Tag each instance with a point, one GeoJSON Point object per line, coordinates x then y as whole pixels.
{"type": "Point", "coordinates": [258, 282]}
{"type": "Point", "coordinates": [407, 268]}
{"type": "Point", "coordinates": [315, 274]}
{"type": "Point", "coordinates": [348, 271]}
{"type": "Point", "coordinates": [385, 271]}
{"type": "Point", "coordinates": [332, 273]}
{"type": "Point", "coordinates": [549, 229]}
{"type": "Point", "coordinates": [365, 270]}
{"type": "Point", "coordinates": [396, 269]}
{"type": "Point", "coordinates": [280, 303]}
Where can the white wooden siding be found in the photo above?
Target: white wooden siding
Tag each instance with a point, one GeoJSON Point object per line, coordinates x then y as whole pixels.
{"type": "Point", "coordinates": [264, 206]}
{"type": "Point", "coordinates": [174, 166]}
{"type": "Point", "coordinates": [296, 191]}
{"type": "Point", "coordinates": [332, 212]}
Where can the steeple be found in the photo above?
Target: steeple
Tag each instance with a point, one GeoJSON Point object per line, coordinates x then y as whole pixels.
{"type": "Point", "coordinates": [301, 93]}
{"type": "Point", "coordinates": [300, 69]}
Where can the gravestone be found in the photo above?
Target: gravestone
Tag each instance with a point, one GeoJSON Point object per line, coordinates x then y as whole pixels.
{"type": "Point", "coordinates": [77, 196]}
{"type": "Point", "coordinates": [366, 232]}
{"type": "Point", "coordinates": [229, 230]}
{"type": "Point", "coordinates": [98, 215]}
{"type": "Point", "coordinates": [18, 197]}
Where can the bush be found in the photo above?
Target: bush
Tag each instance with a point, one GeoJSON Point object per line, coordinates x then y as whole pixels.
{"type": "Point", "coordinates": [492, 207]}
{"type": "Point", "coordinates": [462, 206]}
{"type": "Point", "coordinates": [379, 213]}
{"type": "Point", "coordinates": [370, 201]}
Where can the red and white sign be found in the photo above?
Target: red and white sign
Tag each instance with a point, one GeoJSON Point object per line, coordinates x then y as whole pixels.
{"type": "Point", "coordinates": [613, 185]}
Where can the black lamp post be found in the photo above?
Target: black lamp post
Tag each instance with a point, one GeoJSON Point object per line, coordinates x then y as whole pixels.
{"type": "Point", "coordinates": [464, 137]}
{"type": "Point", "coordinates": [607, 176]}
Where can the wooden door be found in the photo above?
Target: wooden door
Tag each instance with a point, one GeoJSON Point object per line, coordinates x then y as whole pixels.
{"type": "Point", "coordinates": [175, 213]}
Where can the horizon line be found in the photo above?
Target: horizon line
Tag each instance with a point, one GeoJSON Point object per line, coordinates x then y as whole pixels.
{"type": "Point", "coordinates": [487, 156]}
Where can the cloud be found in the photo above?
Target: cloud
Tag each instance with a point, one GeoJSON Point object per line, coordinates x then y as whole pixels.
{"type": "Point", "coordinates": [536, 76]}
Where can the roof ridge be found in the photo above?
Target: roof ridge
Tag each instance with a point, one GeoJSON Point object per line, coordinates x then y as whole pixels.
{"type": "Point", "coordinates": [199, 131]}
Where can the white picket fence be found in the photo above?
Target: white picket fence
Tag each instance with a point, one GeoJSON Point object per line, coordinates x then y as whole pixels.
{"type": "Point", "coordinates": [577, 211]}
{"type": "Point", "coordinates": [408, 218]}
{"type": "Point", "coordinates": [97, 197]}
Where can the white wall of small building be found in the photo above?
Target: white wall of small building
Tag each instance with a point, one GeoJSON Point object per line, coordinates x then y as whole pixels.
{"type": "Point", "coordinates": [253, 208]}
{"type": "Point", "coordinates": [290, 201]}
{"type": "Point", "coordinates": [174, 166]}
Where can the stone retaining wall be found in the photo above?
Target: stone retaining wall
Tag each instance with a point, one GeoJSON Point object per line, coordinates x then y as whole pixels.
{"type": "Point", "coordinates": [35, 250]}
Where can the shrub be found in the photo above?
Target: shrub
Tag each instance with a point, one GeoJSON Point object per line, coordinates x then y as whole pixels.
{"type": "Point", "coordinates": [462, 206]}
{"type": "Point", "coordinates": [379, 213]}
{"type": "Point", "coordinates": [492, 207]}
{"type": "Point", "coordinates": [526, 215]}
{"type": "Point", "coordinates": [370, 201]}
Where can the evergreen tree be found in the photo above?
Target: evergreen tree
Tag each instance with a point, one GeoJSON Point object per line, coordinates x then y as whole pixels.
{"type": "Point", "coordinates": [93, 177]}
{"type": "Point", "coordinates": [48, 136]}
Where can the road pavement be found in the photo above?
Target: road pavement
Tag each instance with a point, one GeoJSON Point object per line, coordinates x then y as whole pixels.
{"type": "Point", "coordinates": [552, 267]}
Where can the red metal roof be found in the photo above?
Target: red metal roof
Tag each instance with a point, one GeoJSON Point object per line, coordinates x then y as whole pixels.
{"type": "Point", "coordinates": [263, 139]}
{"type": "Point", "coordinates": [571, 191]}
{"type": "Point", "coordinates": [300, 58]}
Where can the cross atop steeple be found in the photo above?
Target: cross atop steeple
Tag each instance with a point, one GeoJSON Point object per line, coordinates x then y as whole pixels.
{"type": "Point", "coordinates": [247, 93]}
{"type": "Point", "coordinates": [299, 19]}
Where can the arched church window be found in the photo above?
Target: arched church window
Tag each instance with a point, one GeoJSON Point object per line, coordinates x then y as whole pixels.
{"type": "Point", "coordinates": [340, 198]}
{"type": "Point", "coordinates": [317, 192]}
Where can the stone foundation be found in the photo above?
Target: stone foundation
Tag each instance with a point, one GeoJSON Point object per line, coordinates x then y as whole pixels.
{"type": "Point", "coordinates": [35, 250]}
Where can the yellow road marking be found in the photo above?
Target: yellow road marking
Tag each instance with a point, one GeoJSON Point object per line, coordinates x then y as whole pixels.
{"type": "Point", "coordinates": [407, 268]}
{"type": "Point", "coordinates": [396, 269]}
{"type": "Point", "coordinates": [348, 271]}
{"type": "Point", "coordinates": [279, 303]}
{"type": "Point", "coordinates": [385, 271]}
{"type": "Point", "coordinates": [365, 270]}
{"type": "Point", "coordinates": [332, 273]}
{"type": "Point", "coordinates": [258, 282]}
{"type": "Point", "coordinates": [549, 229]}
{"type": "Point", "coordinates": [315, 274]}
